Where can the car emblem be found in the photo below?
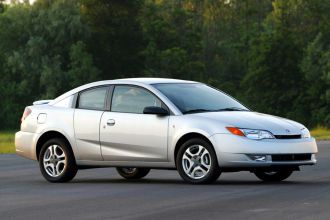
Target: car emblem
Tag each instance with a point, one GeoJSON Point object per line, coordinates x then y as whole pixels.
{"type": "Point", "coordinates": [287, 130]}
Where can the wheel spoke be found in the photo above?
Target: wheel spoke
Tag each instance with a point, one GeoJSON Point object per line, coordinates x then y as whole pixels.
{"type": "Point", "coordinates": [57, 168]}
{"type": "Point", "coordinates": [197, 168]}
{"type": "Point", "coordinates": [185, 157]}
{"type": "Point", "coordinates": [47, 155]}
{"type": "Point", "coordinates": [205, 161]}
{"type": "Point", "coordinates": [200, 150]}
{"type": "Point", "coordinates": [52, 170]}
{"type": "Point", "coordinates": [205, 152]}
{"type": "Point", "coordinates": [188, 165]}
{"type": "Point", "coordinates": [191, 168]}
{"type": "Point", "coordinates": [205, 168]}
{"type": "Point", "coordinates": [62, 161]}
{"type": "Point", "coordinates": [50, 149]}
{"type": "Point", "coordinates": [62, 155]}
{"type": "Point", "coordinates": [204, 171]}
{"type": "Point", "coordinates": [188, 153]}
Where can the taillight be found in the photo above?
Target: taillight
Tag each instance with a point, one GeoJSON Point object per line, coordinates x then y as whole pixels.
{"type": "Point", "coordinates": [26, 113]}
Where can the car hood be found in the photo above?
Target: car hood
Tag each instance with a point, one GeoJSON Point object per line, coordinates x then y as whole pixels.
{"type": "Point", "coordinates": [255, 120]}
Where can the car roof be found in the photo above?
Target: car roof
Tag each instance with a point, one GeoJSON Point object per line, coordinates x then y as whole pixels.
{"type": "Point", "coordinates": [146, 81]}
{"type": "Point", "coordinates": [149, 80]}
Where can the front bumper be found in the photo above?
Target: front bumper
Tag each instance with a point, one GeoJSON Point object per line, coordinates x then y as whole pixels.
{"type": "Point", "coordinates": [235, 151]}
{"type": "Point", "coordinates": [25, 143]}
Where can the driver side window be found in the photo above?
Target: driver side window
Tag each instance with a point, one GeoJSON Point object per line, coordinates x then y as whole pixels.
{"type": "Point", "coordinates": [132, 99]}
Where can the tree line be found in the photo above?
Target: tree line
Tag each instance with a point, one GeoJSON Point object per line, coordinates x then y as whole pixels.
{"type": "Point", "coordinates": [273, 55]}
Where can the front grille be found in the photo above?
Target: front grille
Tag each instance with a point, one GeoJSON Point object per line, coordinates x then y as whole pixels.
{"type": "Point", "coordinates": [290, 157]}
{"type": "Point", "coordinates": [298, 136]}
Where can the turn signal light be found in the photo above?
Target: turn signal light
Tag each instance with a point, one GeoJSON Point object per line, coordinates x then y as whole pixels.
{"type": "Point", "coordinates": [235, 131]}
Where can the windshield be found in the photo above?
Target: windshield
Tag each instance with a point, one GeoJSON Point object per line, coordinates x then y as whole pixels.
{"type": "Point", "coordinates": [196, 97]}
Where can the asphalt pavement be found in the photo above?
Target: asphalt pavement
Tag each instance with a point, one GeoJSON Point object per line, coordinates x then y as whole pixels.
{"type": "Point", "coordinates": [103, 194]}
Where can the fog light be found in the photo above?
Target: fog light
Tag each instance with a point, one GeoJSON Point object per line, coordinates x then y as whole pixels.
{"type": "Point", "coordinates": [259, 158]}
{"type": "Point", "coordinates": [313, 157]}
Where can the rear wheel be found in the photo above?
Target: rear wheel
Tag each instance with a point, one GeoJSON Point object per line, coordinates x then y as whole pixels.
{"type": "Point", "coordinates": [273, 176]}
{"type": "Point", "coordinates": [132, 172]}
{"type": "Point", "coordinates": [56, 161]}
{"type": "Point", "coordinates": [197, 162]}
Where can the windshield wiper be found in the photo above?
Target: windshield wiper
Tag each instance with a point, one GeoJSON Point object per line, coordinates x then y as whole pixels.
{"type": "Point", "coordinates": [196, 111]}
{"type": "Point", "coordinates": [232, 109]}
{"type": "Point", "coordinates": [199, 110]}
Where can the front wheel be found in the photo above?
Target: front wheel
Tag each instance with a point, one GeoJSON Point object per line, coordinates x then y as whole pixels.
{"type": "Point", "coordinates": [56, 161]}
{"type": "Point", "coordinates": [273, 176]}
{"type": "Point", "coordinates": [132, 172]}
{"type": "Point", "coordinates": [197, 162]}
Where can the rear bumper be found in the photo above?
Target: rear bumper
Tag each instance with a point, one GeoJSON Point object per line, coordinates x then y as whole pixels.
{"type": "Point", "coordinates": [234, 151]}
{"type": "Point", "coordinates": [25, 143]}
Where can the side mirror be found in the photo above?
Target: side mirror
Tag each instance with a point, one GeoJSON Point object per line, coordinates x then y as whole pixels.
{"type": "Point", "coordinates": [153, 110]}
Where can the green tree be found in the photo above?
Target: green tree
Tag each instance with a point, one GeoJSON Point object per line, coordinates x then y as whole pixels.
{"type": "Point", "coordinates": [2, 6]}
{"type": "Point", "coordinates": [272, 54]}
{"type": "Point", "coordinates": [316, 68]}
{"type": "Point", "coordinates": [116, 38]}
{"type": "Point", "coordinates": [228, 29]}
{"type": "Point", "coordinates": [82, 68]}
{"type": "Point", "coordinates": [39, 54]}
{"type": "Point", "coordinates": [275, 82]}
{"type": "Point", "coordinates": [174, 46]}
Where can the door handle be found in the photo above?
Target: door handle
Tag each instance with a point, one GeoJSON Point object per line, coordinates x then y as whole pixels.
{"type": "Point", "coordinates": [111, 122]}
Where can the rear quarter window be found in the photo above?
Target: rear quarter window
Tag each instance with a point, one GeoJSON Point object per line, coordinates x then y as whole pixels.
{"type": "Point", "coordinates": [65, 103]}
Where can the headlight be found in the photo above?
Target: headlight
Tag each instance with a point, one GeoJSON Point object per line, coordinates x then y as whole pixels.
{"type": "Point", "coordinates": [305, 133]}
{"type": "Point", "coordinates": [253, 134]}
{"type": "Point", "coordinates": [257, 134]}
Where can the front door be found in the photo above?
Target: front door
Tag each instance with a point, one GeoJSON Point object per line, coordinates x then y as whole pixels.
{"type": "Point", "coordinates": [91, 105]}
{"type": "Point", "coordinates": [126, 134]}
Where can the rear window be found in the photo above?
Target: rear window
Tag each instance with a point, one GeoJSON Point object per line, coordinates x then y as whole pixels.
{"type": "Point", "coordinates": [93, 99]}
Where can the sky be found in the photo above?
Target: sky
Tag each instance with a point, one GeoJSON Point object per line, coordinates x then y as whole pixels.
{"type": "Point", "coordinates": [31, 1]}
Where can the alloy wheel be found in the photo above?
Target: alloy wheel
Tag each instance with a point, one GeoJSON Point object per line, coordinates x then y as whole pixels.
{"type": "Point", "coordinates": [54, 160]}
{"type": "Point", "coordinates": [129, 170]}
{"type": "Point", "coordinates": [196, 161]}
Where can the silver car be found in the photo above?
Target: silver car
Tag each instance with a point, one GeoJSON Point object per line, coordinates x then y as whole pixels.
{"type": "Point", "coordinates": [148, 123]}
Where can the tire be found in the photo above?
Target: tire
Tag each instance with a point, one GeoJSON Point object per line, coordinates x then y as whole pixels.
{"type": "Point", "coordinates": [132, 173]}
{"type": "Point", "coordinates": [197, 162]}
{"type": "Point", "coordinates": [56, 161]}
{"type": "Point", "coordinates": [275, 176]}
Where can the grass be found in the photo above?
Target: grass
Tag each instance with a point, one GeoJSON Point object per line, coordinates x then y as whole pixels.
{"type": "Point", "coordinates": [7, 142]}
{"type": "Point", "coordinates": [321, 133]}
{"type": "Point", "coordinates": [7, 138]}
